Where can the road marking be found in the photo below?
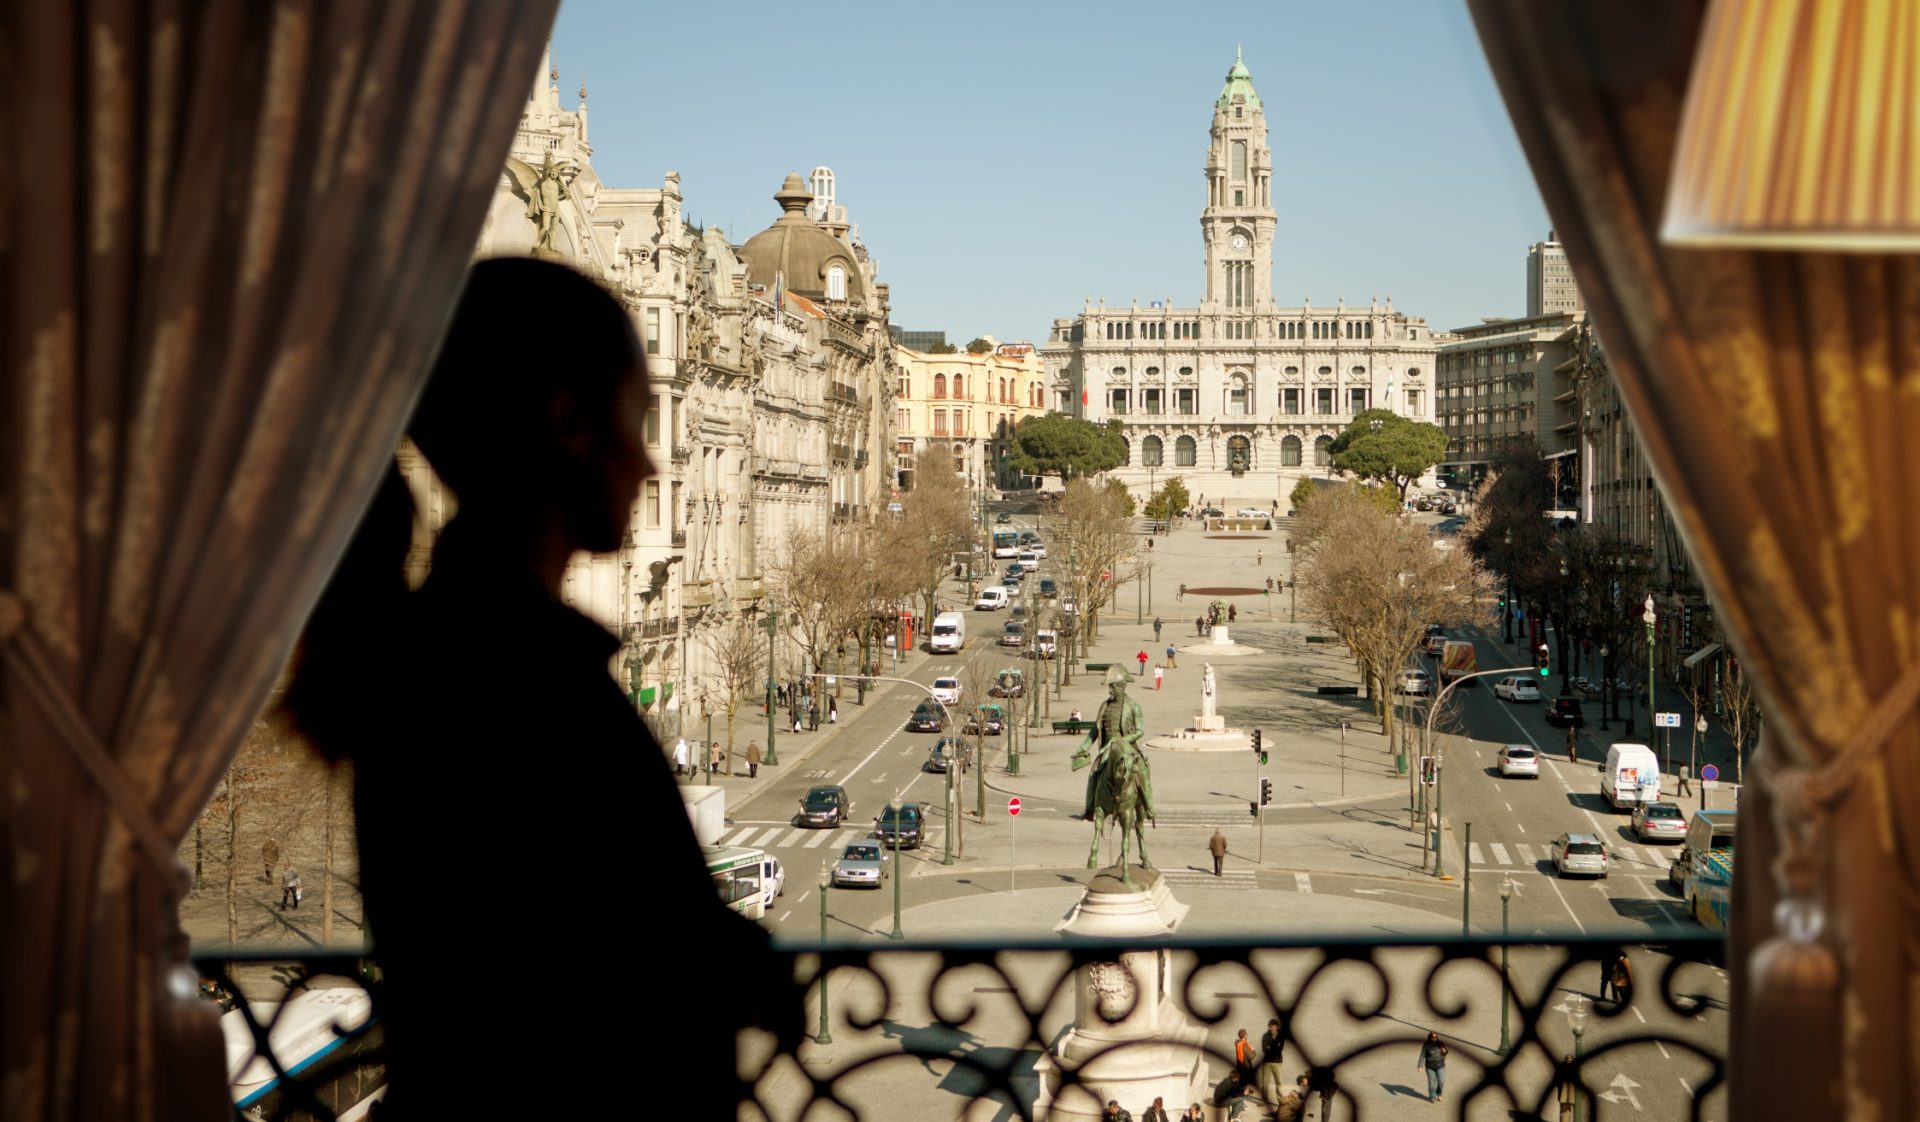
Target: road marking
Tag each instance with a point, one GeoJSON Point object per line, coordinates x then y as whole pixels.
{"type": "Point", "coordinates": [1302, 882]}
{"type": "Point", "coordinates": [1393, 891]}
{"type": "Point", "coordinates": [803, 897]}
{"type": "Point", "coordinates": [1555, 883]}
{"type": "Point", "coordinates": [1663, 1052]}
{"type": "Point", "coordinates": [818, 839]}
{"type": "Point", "coordinates": [1639, 1014]}
{"type": "Point", "coordinates": [1684, 1083]}
{"type": "Point", "coordinates": [761, 841]}
{"type": "Point", "coordinates": [1473, 854]}
{"type": "Point", "coordinates": [1523, 829]}
{"type": "Point", "coordinates": [1500, 853]}
{"type": "Point", "coordinates": [1509, 808]}
{"type": "Point", "coordinates": [785, 914]}
{"type": "Point", "coordinates": [1525, 852]}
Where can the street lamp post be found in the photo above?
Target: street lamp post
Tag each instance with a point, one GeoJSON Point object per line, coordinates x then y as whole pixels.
{"type": "Point", "coordinates": [1606, 676]}
{"type": "Point", "coordinates": [1506, 613]}
{"type": "Point", "coordinates": [1577, 1021]}
{"type": "Point", "coordinates": [898, 812]}
{"type": "Point", "coordinates": [773, 629]}
{"type": "Point", "coordinates": [946, 835]}
{"type": "Point", "coordinates": [1648, 616]}
{"type": "Point", "coordinates": [1506, 981]}
{"type": "Point", "coordinates": [826, 882]}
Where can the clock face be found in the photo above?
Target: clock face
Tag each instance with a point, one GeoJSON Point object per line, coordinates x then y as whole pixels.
{"type": "Point", "coordinates": [1239, 241]}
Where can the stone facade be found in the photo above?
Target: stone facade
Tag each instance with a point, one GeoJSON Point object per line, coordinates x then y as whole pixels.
{"type": "Point", "coordinates": [1237, 395]}
{"type": "Point", "coordinates": [1499, 390]}
{"type": "Point", "coordinates": [771, 411]}
{"type": "Point", "coordinates": [967, 403]}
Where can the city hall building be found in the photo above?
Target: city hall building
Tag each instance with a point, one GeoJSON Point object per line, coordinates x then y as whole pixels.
{"type": "Point", "coordinates": [1237, 396]}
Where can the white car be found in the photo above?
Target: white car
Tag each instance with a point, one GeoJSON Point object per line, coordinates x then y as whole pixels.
{"type": "Point", "coordinates": [1519, 759]}
{"type": "Point", "coordinates": [1413, 682]}
{"type": "Point", "coordinates": [946, 691]}
{"type": "Point", "coordinates": [1436, 642]}
{"type": "Point", "coordinates": [1038, 550]}
{"type": "Point", "coordinates": [1252, 512]}
{"type": "Point", "coordinates": [1516, 689]}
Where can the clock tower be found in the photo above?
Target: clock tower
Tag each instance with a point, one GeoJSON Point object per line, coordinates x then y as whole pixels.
{"type": "Point", "coordinates": [1238, 221]}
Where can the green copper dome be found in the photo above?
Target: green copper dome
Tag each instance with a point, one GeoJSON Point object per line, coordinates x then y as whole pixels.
{"type": "Point", "coordinates": [1239, 84]}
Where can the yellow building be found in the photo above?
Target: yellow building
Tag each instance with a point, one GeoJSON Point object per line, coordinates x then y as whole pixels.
{"type": "Point", "coordinates": [968, 403]}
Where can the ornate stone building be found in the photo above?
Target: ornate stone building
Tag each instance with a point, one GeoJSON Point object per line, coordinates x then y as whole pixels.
{"type": "Point", "coordinates": [772, 380]}
{"type": "Point", "coordinates": [967, 403]}
{"type": "Point", "coordinates": [1238, 396]}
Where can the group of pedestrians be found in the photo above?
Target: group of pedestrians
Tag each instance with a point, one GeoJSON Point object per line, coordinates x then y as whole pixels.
{"type": "Point", "coordinates": [718, 757]}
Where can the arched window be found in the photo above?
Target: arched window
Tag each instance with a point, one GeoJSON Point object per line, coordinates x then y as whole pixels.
{"type": "Point", "coordinates": [1237, 396]}
{"type": "Point", "coordinates": [1321, 456]}
{"type": "Point", "coordinates": [836, 282]}
{"type": "Point", "coordinates": [1239, 455]}
{"type": "Point", "coordinates": [1185, 452]}
{"type": "Point", "coordinates": [960, 385]}
{"type": "Point", "coordinates": [1239, 161]}
{"type": "Point", "coordinates": [939, 387]}
{"type": "Point", "coordinates": [1290, 452]}
{"type": "Point", "coordinates": [1151, 452]}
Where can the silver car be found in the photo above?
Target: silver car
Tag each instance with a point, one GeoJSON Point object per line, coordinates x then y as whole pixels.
{"type": "Point", "coordinates": [1519, 759]}
{"type": "Point", "coordinates": [1580, 855]}
{"type": "Point", "coordinates": [861, 865]}
{"type": "Point", "coordinates": [1659, 822]}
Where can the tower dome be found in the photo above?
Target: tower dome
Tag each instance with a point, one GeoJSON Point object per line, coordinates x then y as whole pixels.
{"type": "Point", "coordinates": [805, 258]}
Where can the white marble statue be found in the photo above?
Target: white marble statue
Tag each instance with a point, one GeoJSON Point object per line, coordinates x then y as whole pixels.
{"type": "Point", "coordinates": [1206, 691]}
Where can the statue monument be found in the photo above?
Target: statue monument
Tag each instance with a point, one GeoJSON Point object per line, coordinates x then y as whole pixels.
{"type": "Point", "coordinates": [543, 205]}
{"type": "Point", "coordinates": [1121, 784]}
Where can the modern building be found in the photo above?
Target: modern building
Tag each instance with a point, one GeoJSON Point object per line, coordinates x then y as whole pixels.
{"type": "Point", "coordinates": [966, 403]}
{"type": "Point", "coordinates": [771, 369]}
{"type": "Point", "coordinates": [1498, 391]}
{"type": "Point", "coordinates": [1550, 284]}
{"type": "Point", "coordinates": [926, 342]}
{"type": "Point", "coordinates": [1238, 396]}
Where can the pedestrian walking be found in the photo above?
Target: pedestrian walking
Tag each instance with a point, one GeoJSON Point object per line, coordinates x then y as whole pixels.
{"type": "Point", "coordinates": [833, 710]}
{"type": "Point", "coordinates": [1573, 745]}
{"type": "Point", "coordinates": [269, 857]}
{"type": "Point", "coordinates": [1170, 662]}
{"type": "Point", "coordinates": [813, 716]}
{"type": "Point", "coordinates": [1621, 975]}
{"type": "Point", "coordinates": [680, 764]}
{"type": "Point", "coordinates": [796, 722]}
{"type": "Point", "coordinates": [1141, 658]}
{"type": "Point", "coordinates": [1233, 612]}
{"type": "Point", "coordinates": [1217, 845]}
{"type": "Point", "coordinates": [1686, 776]}
{"type": "Point", "coordinates": [713, 758]}
{"type": "Point", "coordinates": [1158, 673]}
{"type": "Point", "coordinates": [1569, 1090]}
{"type": "Point", "coordinates": [1433, 1061]}
{"type": "Point", "coordinates": [753, 759]}
{"type": "Point", "coordinates": [1259, 558]}
{"type": "Point", "coordinates": [1200, 625]}
{"type": "Point", "coordinates": [1243, 1054]}
{"type": "Point", "coordinates": [1157, 621]}
{"type": "Point", "coordinates": [290, 887]}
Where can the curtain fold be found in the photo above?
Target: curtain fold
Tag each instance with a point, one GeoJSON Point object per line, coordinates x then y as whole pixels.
{"type": "Point", "coordinates": [1777, 396]}
{"type": "Point", "coordinates": [230, 233]}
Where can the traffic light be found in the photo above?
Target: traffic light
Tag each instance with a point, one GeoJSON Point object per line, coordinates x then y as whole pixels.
{"type": "Point", "coordinates": [1429, 770]}
{"type": "Point", "coordinates": [1540, 659]}
{"type": "Point", "coordinates": [1258, 750]}
{"type": "Point", "coordinates": [1266, 791]}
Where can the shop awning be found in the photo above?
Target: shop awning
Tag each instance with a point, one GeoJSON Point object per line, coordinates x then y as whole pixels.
{"type": "Point", "coordinates": [1704, 652]}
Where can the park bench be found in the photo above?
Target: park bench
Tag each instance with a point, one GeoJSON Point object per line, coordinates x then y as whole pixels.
{"type": "Point", "coordinates": [1340, 691]}
{"type": "Point", "coordinates": [1319, 639]}
{"type": "Point", "coordinates": [1072, 726]}
{"type": "Point", "coordinates": [1098, 667]}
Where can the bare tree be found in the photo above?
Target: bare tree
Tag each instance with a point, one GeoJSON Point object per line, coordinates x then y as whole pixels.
{"type": "Point", "coordinates": [1740, 710]}
{"type": "Point", "coordinates": [737, 655]}
{"type": "Point", "coordinates": [1092, 533]}
{"type": "Point", "coordinates": [936, 522]}
{"type": "Point", "coordinates": [812, 574]}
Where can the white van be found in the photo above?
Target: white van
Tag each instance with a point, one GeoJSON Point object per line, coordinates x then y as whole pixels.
{"type": "Point", "coordinates": [992, 599]}
{"type": "Point", "coordinates": [949, 633]}
{"type": "Point", "coordinates": [1631, 775]}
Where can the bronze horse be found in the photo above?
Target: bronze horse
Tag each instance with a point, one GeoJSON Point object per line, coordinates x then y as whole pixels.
{"type": "Point", "coordinates": [1119, 795]}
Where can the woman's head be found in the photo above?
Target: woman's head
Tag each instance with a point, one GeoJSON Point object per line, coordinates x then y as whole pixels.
{"type": "Point", "coordinates": [537, 401]}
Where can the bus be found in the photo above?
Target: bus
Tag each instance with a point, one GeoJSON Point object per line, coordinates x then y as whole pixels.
{"type": "Point", "coordinates": [747, 879]}
{"type": "Point", "coordinates": [1006, 543]}
{"type": "Point", "coordinates": [330, 1026]}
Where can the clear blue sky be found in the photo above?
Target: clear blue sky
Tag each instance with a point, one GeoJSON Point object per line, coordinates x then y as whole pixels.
{"type": "Point", "coordinates": [1007, 161]}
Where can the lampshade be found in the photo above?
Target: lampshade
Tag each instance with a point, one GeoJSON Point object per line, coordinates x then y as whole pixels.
{"type": "Point", "coordinates": [1801, 129]}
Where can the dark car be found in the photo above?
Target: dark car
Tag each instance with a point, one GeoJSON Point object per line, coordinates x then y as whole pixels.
{"type": "Point", "coordinates": [1564, 712]}
{"type": "Point", "coordinates": [1213, 512]}
{"type": "Point", "coordinates": [987, 720]}
{"type": "Point", "coordinates": [1008, 683]}
{"type": "Point", "coordinates": [1028, 537]}
{"type": "Point", "coordinates": [825, 806]}
{"type": "Point", "coordinates": [1002, 518]}
{"type": "Point", "coordinates": [899, 822]}
{"type": "Point", "coordinates": [943, 753]}
{"type": "Point", "coordinates": [927, 717]}
{"type": "Point", "coordinates": [1049, 587]}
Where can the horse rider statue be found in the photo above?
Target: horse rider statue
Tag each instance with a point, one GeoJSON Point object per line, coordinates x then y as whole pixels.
{"type": "Point", "coordinates": [1120, 786]}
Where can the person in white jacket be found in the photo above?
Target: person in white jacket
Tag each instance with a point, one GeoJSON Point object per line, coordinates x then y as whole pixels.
{"type": "Point", "coordinates": [680, 764]}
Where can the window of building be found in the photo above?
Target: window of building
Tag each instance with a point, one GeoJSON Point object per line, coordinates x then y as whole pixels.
{"type": "Point", "coordinates": [1322, 454]}
{"type": "Point", "coordinates": [653, 420]}
{"type": "Point", "coordinates": [1186, 401]}
{"type": "Point", "coordinates": [1153, 403]}
{"type": "Point", "coordinates": [1117, 401]}
{"type": "Point", "coordinates": [1237, 396]}
{"type": "Point", "coordinates": [1151, 451]}
{"type": "Point", "coordinates": [939, 422]}
{"type": "Point", "coordinates": [906, 421]}
{"type": "Point", "coordinates": [1185, 452]}
{"type": "Point", "coordinates": [906, 386]}
{"type": "Point", "coordinates": [1239, 161]}
{"type": "Point", "coordinates": [653, 331]}
{"type": "Point", "coordinates": [1356, 400]}
{"type": "Point", "coordinates": [1290, 400]}
{"type": "Point", "coordinates": [1239, 197]}
{"type": "Point", "coordinates": [836, 282]}
{"type": "Point", "coordinates": [650, 501]}
{"type": "Point", "coordinates": [939, 387]}
{"type": "Point", "coordinates": [1290, 452]}
{"type": "Point", "coordinates": [960, 386]}
{"type": "Point", "coordinates": [962, 422]}
{"type": "Point", "coordinates": [1413, 403]}
{"type": "Point", "coordinates": [1323, 400]}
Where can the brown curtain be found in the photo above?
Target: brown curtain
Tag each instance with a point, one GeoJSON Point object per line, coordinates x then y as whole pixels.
{"type": "Point", "coordinates": [1778, 397]}
{"type": "Point", "coordinates": [230, 231]}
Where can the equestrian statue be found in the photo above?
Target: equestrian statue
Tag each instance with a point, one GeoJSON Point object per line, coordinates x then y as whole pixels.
{"type": "Point", "coordinates": [1120, 787]}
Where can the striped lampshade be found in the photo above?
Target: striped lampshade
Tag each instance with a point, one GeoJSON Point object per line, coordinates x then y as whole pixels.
{"type": "Point", "coordinates": [1801, 128]}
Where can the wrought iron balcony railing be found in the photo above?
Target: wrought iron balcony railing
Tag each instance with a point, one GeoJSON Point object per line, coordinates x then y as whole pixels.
{"type": "Point", "coordinates": [1040, 1028]}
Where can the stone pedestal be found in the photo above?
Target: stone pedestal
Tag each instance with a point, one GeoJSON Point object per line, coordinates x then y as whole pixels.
{"type": "Point", "coordinates": [1219, 635]}
{"type": "Point", "coordinates": [1204, 723]}
{"type": "Point", "coordinates": [1129, 1041]}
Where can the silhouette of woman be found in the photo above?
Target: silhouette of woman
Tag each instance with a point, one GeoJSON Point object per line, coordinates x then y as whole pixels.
{"type": "Point", "coordinates": [487, 734]}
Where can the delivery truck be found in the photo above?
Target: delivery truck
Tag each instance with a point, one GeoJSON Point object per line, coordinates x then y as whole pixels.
{"type": "Point", "coordinates": [1458, 658]}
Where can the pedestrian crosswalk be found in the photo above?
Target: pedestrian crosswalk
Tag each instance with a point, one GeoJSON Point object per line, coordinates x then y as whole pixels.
{"type": "Point", "coordinates": [1627, 858]}
{"type": "Point", "coordinates": [784, 837]}
{"type": "Point", "coordinates": [1239, 879]}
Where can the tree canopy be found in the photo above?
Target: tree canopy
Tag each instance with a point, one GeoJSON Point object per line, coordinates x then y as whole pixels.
{"type": "Point", "coordinates": [1399, 451]}
{"type": "Point", "coordinates": [979, 347]}
{"type": "Point", "coordinates": [1056, 444]}
{"type": "Point", "coordinates": [1169, 500]}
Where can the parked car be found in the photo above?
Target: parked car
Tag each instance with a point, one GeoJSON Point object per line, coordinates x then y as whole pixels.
{"type": "Point", "coordinates": [1516, 688]}
{"type": "Point", "coordinates": [1659, 822]}
{"type": "Point", "coordinates": [1251, 512]}
{"type": "Point", "coordinates": [1580, 855]}
{"type": "Point", "coordinates": [1564, 713]}
{"type": "Point", "coordinates": [861, 865]}
{"type": "Point", "coordinates": [1414, 682]}
{"type": "Point", "coordinates": [945, 751]}
{"type": "Point", "coordinates": [825, 805]}
{"type": "Point", "coordinates": [927, 717]}
{"type": "Point", "coordinates": [1013, 634]}
{"type": "Point", "coordinates": [986, 720]}
{"type": "Point", "coordinates": [947, 690]}
{"type": "Point", "coordinates": [1423, 503]}
{"type": "Point", "coordinates": [901, 825]}
{"type": "Point", "coordinates": [1519, 759]}
{"type": "Point", "coordinates": [1212, 512]}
